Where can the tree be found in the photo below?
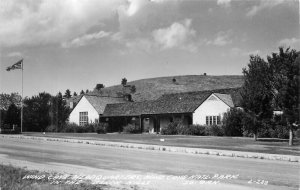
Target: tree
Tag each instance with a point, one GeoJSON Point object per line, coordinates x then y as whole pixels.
{"type": "Point", "coordinates": [233, 122]}
{"type": "Point", "coordinates": [13, 116]}
{"type": "Point", "coordinates": [132, 89]}
{"type": "Point", "coordinates": [37, 112]}
{"type": "Point", "coordinates": [59, 112]}
{"type": "Point", "coordinates": [81, 92]}
{"type": "Point", "coordinates": [124, 81]}
{"type": "Point", "coordinates": [87, 91]}
{"type": "Point", "coordinates": [67, 94]}
{"type": "Point", "coordinates": [257, 93]}
{"type": "Point", "coordinates": [285, 69]}
{"type": "Point", "coordinates": [74, 94]}
{"type": "Point", "coordinates": [99, 86]}
{"type": "Point", "coordinates": [8, 99]}
{"type": "Point", "coordinates": [173, 80]}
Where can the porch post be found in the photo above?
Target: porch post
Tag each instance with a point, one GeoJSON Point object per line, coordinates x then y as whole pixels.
{"type": "Point", "coordinates": [141, 124]}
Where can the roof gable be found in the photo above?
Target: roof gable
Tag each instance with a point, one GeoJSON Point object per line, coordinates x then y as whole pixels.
{"type": "Point", "coordinates": [100, 102]}
{"type": "Point", "coordinates": [226, 98]}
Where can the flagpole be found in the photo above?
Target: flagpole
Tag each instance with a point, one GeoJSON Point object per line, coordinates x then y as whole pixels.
{"type": "Point", "coordinates": [22, 100]}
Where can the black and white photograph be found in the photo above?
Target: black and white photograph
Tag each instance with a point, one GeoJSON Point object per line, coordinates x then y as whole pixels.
{"type": "Point", "coordinates": [149, 94]}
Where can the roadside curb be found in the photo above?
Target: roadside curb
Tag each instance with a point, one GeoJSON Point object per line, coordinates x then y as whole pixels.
{"type": "Point", "coordinates": [215, 152]}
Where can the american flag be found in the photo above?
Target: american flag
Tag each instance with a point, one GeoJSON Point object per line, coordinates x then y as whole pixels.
{"type": "Point", "coordinates": [17, 65]}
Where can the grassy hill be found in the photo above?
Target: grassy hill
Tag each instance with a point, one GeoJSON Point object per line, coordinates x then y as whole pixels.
{"type": "Point", "coordinates": [152, 88]}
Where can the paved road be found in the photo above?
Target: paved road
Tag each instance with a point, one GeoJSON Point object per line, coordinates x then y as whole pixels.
{"type": "Point", "coordinates": [86, 159]}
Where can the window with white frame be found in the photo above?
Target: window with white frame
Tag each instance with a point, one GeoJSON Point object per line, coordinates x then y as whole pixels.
{"type": "Point", "coordinates": [83, 118]}
{"type": "Point", "coordinates": [213, 120]}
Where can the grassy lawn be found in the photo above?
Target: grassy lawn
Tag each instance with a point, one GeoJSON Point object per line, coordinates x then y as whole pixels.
{"type": "Point", "coordinates": [19, 178]}
{"type": "Point", "coordinates": [271, 146]}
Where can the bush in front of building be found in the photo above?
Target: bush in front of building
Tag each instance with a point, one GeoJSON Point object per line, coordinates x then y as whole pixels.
{"type": "Point", "coordinates": [233, 122]}
{"type": "Point", "coordinates": [69, 128]}
{"type": "Point", "coordinates": [131, 128]}
{"type": "Point", "coordinates": [214, 130]}
{"type": "Point", "coordinates": [51, 129]}
{"type": "Point", "coordinates": [172, 128]}
{"type": "Point", "coordinates": [197, 130]}
{"type": "Point", "coordinates": [297, 133]}
{"type": "Point", "coordinates": [177, 128]}
{"type": "Point", "coordinates": [101, 128]}
{"type": "Point", "coordinates": [7, 129]}
{"type": "Point", "coordinates": [280, 131]}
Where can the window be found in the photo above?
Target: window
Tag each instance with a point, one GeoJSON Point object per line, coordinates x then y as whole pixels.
{"type": "Point", "coordinates": [218, 120]}
{"type": "Point", "coordinates": [83, 118]}
{"type": "Point", "coordinates": [213, 120]}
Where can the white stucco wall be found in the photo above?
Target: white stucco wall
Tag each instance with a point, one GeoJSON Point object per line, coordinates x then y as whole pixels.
{"type": "Point", "coordinates": [209, 107]}
{"type": "Point", "coordinates": [83, 106]}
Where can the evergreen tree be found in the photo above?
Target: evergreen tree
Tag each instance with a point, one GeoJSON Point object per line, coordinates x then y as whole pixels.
{"type": "Point", "coordinates": [67, 94]}
{"type": "Point", "coordinates": [99, 86]}
{"type": "Point", "coordinates": [124, 81]}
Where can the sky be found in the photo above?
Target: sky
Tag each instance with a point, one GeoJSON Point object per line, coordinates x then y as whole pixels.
{"type": "Point", "coordinates": [75, 44]}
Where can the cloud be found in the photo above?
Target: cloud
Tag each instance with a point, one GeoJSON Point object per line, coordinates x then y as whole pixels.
{"type": "Point", "coordinates": [222, 38]}
{"type": "Point", "coordinates": [290, 42]}
{"type": "Point", "coordinates": [263, 4]}
{"type": "Point", "coordinates": [30, 22]}
{"type": "Point", "coordinates": [133, 6]}
{"type": "Point", "coordinates": [176, 35]}
{"type": "Point", "coordinates": [15, 54]}
{"type": "Point", "coordinates": [225, 3]}
{"type": "Point", "coordinates": [85, 39]}
{"type": "Point", "coordinates": [42, 22]}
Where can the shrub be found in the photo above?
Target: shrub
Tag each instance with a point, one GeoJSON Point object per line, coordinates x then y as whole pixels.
{"type": "Point", "coordinates": [297, 133]}
{"type": "Point", "coordinates": [69, 128]}
{"type": "Point", "coordinates": [198, 130]}
{"type": "Point", "coordinates": [89, 128]}
{"type": "Point", "coordinates": [74, 128]}
{"type": "Point", "coordinates": [214, 130]}
{"type": "Point", "coordinates": [6, 129]}
{"type": "Point", "coordinates": [266, 131]}
{"type": "Point", "coordinates": [171, 128]}
{"type": "Point", "coordinates": [130, 128]}
{"type": "Point", "coordinates": [101, 128]}
{"type": "Point", "coordinates": [180, 128]}
{"type": "Point", "coordinates": [233, 122]}
{"type": "Point", "coordinates": [51, 128]}
{"type": "Point", "coordinates": [281, 132]}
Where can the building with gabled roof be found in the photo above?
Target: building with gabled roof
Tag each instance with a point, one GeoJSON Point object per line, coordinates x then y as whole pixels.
{"type": "Point", "coordinates": [201, 107]}
{"type": "Point", "coordinates": [90, 107]}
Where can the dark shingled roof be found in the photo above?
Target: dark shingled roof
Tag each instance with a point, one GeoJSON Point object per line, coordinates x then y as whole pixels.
{"type": "Point", "coordinates": [100, 102]}
{"type": "Point", "coordinates": [186, 102]}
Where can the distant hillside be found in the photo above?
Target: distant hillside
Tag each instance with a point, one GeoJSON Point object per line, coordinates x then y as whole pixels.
{"type": "Point", "coordinates": [152, 88]}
